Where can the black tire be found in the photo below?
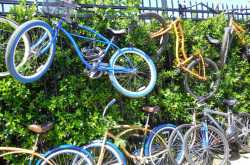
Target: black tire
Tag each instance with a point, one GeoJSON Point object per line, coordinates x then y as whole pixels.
{"type": "Point", "coordinates": [213, 76]}
{"type": "Point", "coordinates": [176, 144]}
{"type": "Point", "coordinates": [244, 141]}
{"type": "Point", "coordinates": [154, 16]}
{"type": "Point", "coordinates": [213, 146]}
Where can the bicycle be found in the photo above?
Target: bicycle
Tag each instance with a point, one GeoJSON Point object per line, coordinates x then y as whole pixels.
{"type": "Point", "coordinates": [201, 75]}
{"type": "Point", "coordinates": [140, 144]}
{"type": "Point", "coordinates": [7, 27]}
{"type": "Point", "coordinates": [229, 31]}
{"type": "Point", "coordinates": [130, 70]}
{"type": "Point", "coordinates": [236, 130]}
{"type": "Point", "coordinates": [63, 154]}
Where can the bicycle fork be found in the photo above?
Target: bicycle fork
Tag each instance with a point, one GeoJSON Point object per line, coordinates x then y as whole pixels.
{"type": "Point", "coordinates": [204, 135]}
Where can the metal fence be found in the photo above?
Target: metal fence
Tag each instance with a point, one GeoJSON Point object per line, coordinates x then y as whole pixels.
{"type": "Point", "coordinates": [176, 8]}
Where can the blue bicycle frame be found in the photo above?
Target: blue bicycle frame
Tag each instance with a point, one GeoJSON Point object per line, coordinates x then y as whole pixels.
{"type": "Point", "coordinates": [99, 38]}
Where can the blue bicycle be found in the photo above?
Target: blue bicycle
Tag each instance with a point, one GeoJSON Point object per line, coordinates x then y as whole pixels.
{"type": "Point", "coordinates": [130, 70]}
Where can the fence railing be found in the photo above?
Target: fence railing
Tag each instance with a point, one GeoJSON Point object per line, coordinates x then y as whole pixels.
{"type": "Point", "coordinates": [174, 8]}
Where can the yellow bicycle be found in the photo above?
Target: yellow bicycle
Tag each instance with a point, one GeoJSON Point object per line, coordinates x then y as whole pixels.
{"type": "Point", "coordinates": [201, 75]}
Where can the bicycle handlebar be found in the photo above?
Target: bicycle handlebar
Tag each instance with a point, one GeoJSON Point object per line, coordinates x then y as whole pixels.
{"type": "Point", "coordinates": [107, 106]}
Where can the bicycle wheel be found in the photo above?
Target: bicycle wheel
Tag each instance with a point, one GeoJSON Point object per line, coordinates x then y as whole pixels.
{"type": "Point", "coordinates": [202, 88]}
{"type": "Point", "coordinates": [176, 144]}
{"type": "Point", "coordinates": [41, 51]}
{"type": "Point", "coordinates": [65, 155]}
{"type": "Point", "coordinates": [244, 139]}
{"type": "Point", "coordinates": [154, 23]}
{"type": "Point", "coordinates": [133, 73]}
{"type": "Point", "coordinates": [214, 151]}
{"type": "Point", "coordinates": [156, 146]}
{"type": "Point", "coordinates": [7, 27]}
{"type": "Point", "coordinates": [111, 154]}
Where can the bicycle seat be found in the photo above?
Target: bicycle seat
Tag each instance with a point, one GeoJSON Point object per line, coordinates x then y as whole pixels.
{"type": "Point", "coordinates": [212, 40]}
{"type": "Point", "coordinates": [39, 129]}
{"type": "Point", "coordinates": [149, 109]}
{"type": "Point", "coordinates": [229, 102]}
{"type": "Point", "coordinates": [117, 32]}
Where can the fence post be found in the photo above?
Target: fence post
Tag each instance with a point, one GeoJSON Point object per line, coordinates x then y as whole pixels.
{"type": "Point", "coordinates": [191, 10]}
{"type": "Point", "coordinates": [164, 6]}
{"type": "Point", "coordinates": [172, 4]}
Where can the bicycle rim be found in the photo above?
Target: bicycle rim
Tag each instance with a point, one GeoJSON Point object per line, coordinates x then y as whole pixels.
{"type": "Point", "coordinates": [39, 52]}
{"type": "Point", "coordinates": [67, 156]}
{"type": "Point", "coordinates": [141, 76]}
{"type": "Point", "coordinates": [202, 89]}
{"type": "Point", "coordinates": [244, 140]}
{"type": "Point", "coordinates": [216, 152]}
{"type": "Point", "coordinates": [176, 143]}
{"type": "Point", "coordinates": [156, 148]}
{"type": "Point", "coordinates": [110, 154]}
{"type": "Point", "coordinates": [7, 27]}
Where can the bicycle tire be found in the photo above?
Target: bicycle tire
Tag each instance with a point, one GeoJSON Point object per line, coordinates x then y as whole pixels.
{"type": "Point", "coordinates": [178, 157]}
{"type": "Point", "coordinates": [222, 139]}
{"type": "Point", "coordinates": [12, 25]}
{"type": "Point", "coordinates": [213, 87]}
{"type": "Point", "coordinates": [244, 142]}
{"type": "Point", "coordinates": [79, 156]}
{"type": "Point", "coordinates": [11, 48]}
{"type": "Point", "coordinates": [165, 129]}
{"type": "Point", "coordinates": [165, 37]}
{"type": "Point", "coordinates": [139, 91]}
{"type": "Point", "coordinates": [110, 148]}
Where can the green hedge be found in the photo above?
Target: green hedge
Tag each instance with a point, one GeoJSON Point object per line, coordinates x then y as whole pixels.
{"type": "Point", "coordinates": [76, 102]}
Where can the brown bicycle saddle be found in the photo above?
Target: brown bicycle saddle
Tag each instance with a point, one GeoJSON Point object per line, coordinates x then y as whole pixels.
{"type": "Point", "coordinates": [39, 129]}
{"type": "Point", "coordinates": [150, 109]}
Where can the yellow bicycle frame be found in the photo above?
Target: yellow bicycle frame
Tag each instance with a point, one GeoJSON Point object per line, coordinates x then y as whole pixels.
{"type": "Point", "coordinates": [238, 30]}
{"type": "Point", "coordinates": [181, 57]}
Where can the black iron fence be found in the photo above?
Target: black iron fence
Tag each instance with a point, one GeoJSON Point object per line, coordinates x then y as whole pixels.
{"type": "Point", "coordinates": [176, 8]}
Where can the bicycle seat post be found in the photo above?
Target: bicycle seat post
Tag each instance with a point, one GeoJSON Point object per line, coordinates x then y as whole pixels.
{"type": "Point", "coordinates": [146, 124]}
{"type": "Point", "coordinates": [34, 148]}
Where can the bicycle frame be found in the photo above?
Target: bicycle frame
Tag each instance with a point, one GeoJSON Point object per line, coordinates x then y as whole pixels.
{"type": "Point", "coordinates": [231, 120]}
{"type": "Point", "coordinates": [126, 129]}
{"type": "Point", "coordinates": [207, 113]}
{"type": "Point", "coordinates": [237, 28]}
{"type": "Point", "coordinates": [181, 57]}
{"type": "Point", "coordinates": [32, 153]}
{"type": "Point", "coordinates": [228, 37]}
{"type": "Point", "coordinates": [98, 39]}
